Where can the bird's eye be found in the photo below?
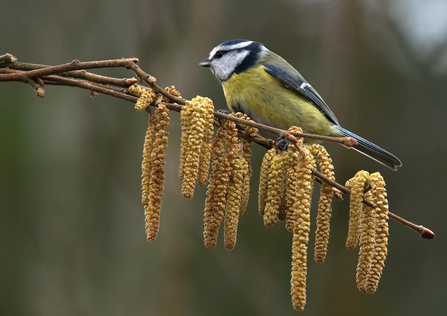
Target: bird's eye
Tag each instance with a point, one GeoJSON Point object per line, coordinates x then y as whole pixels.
{"type": "Point", "coordinates": [218, 55]}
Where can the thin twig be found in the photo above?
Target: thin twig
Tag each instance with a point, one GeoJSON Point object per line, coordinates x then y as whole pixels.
{"type": "Point", "coordinates": [96, 87]}
{"type": "Point", "coordinates": [74, 65]}
{"type": "Point", "coordinates": [151, 82]}
{"type": "Point", "coordinates": [423, 231]}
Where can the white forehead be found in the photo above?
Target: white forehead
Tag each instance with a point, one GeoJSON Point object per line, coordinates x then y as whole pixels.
{"type": "Point", "coordinates": [229, 47]}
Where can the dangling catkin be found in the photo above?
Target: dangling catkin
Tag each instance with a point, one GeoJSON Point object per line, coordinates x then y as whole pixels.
{"type": "Point", "coordinates": [206, 146]}
{"type": "Point", "coordinates": [300, 223]}
{"type": "Point", "coordinates": [224, 153]}
{"type": "Point", "coordinates": [246, 150]}
{"type": "Point", "coordinates": [378, 192]}
{"type": "Point", "coordinates": [233, 205]}
{"type": "Point", "coordinates": [153, 165]}
{"type": "Point", "coordinates": [146, 96]}
{"type": "Point", "coordinates": [197, 129]}
{"type": "Point", "coordinates": [305, 184]}
{"type": "Point", "coordinates": [264, 179]}
{"type": "Point", "coordinates": [367, 243]}
{"type": "Point", "coordinates": [324, 203]}
{"type": "Point", "coordinates": [357, 186]}
{"type": "Point", "coordinates": [275, 189]}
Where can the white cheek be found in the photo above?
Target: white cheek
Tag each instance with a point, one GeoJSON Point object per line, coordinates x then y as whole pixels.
{"type": "Point", "coordinates": [225, 66]}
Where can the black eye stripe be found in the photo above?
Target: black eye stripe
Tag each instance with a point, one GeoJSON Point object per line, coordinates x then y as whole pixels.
{"type": "Point", "coordinates": [218, 54]}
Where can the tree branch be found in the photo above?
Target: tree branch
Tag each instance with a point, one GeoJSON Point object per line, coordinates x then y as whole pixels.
{"type": "Point", "coordinates": [73, 74]}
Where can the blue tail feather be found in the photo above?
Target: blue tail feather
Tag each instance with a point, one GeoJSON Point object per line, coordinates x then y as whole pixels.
{"type": "Point", "coordinates": [373, 151]}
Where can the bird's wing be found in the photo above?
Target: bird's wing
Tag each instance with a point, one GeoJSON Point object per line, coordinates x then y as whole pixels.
{"type": "Point", "coordinates": [302, 88]}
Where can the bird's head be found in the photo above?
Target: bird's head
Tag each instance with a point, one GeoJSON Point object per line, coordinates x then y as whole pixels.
{"type": "Point", "coordinates": [233, 56]}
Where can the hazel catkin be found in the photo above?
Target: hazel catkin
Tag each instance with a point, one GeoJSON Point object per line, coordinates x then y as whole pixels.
{"type": "Point", "coordinates": [195, 151]}
{"type": "Point", "coordinates": [224, 154]}
{"type": "Point", "coordinates": [324, 203]}
{"type": "Point", "coordinates": [153, 170]}
{"type": "Point", "coordinates": [233, 204]}
{"type": "Point", "coordinates": [378, 193]}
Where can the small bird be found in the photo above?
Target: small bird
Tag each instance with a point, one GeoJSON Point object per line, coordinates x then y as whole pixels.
{"type": "Point", "coordinates": [263, 85]}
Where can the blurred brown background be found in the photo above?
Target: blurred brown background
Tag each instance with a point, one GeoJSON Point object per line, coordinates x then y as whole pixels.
{"type": "Point", "coordinates": [72, 238]}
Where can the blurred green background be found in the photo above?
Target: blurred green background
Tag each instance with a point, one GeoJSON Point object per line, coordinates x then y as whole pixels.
{"type": "Point", "coordinates": [72, 239]}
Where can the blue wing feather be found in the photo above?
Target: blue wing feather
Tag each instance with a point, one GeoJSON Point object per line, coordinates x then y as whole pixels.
{"type": "Point", "coordinates": [300, 86]}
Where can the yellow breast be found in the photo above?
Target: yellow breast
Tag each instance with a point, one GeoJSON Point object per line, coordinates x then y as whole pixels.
{"type": "Point", "coordinates": [266, 100]}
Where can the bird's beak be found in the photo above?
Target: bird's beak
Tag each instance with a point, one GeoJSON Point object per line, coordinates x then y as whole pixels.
{"type": "Point", "coordinates": [205, 63]}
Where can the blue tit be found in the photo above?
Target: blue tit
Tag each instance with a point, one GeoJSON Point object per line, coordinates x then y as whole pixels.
{"type": "Point", "coordinates": [270, 91]}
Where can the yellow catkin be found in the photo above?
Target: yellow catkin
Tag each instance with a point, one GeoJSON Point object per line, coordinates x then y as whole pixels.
{"type": "Point", "coordinates": [205, 149]}
{"type": "Point", "coordinates": [292, 185]}
{"type": "Point", "coordinates": [291, 181]}
{"type": "Point", "coordinates": [224, 147]}
{"type": "Point", "coordinates": [246, 152]}
{"type": "Point", "coordinates": [247, 130]}
{"type": "Point", "coordinates": [192, 153]}
{"type": "Point", "coordinates": [146, 166]}
{"type": "Point", "coordinates": [300, 140]}
{"type": "Point", "coordinates": [197, 129]}
{"type": "Point", "coordinates": [275, 189]}
{"type": "Point", "coordinates": [305, 182]}
{"type": "Point", "coordinates": [282, 209]}
{"type": "Point", "coordinates": [264, 179]}
{"type": "Point", "coordinates": [146, 96]}
{"type": "Point", "coordinates": [298, 200]}
{"type": "Point", "coordinates": [231, 145]}
{"type": "Point", "coordinates": [152, 205]}
{"type": "Point", "coordinates": [172, 91]}
{"type": "Point", "coordinates": [245, 189]}
{"type": "Point", "coordinates": [367, 243]}
{"type": "Point", "coordinates": [186, 117]}
{"type": "Point", "coordinates": [378, 193]}
{"type": "Point", "coordinates": [213, 205]}
{"type": "Point", "coordinates": [324, 203]}
{"type": "Point", "coordinates": [234, 200]}
{"type": "Point", "coordinates": [299, 257]}
{"type": "Point", "coordinates": [137, 90]}
{"type": "Point", "coordinates": [357, 186]}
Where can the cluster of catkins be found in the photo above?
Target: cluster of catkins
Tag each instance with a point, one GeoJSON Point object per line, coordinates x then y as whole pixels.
{"type": "Point", "coordinates": [156, 141]}
{"type": "Point", "coordinates": [285, 193]}
{"type": "Point", "coordinates": [229, 181]}
{"type": "Point", "coordinates": [368, 226]}
{"type": "Point", "coordinates": [285, 188]}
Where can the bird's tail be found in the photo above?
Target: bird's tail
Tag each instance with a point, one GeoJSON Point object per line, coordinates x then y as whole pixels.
{"type": "Point", "coordinates": [373, 151]}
